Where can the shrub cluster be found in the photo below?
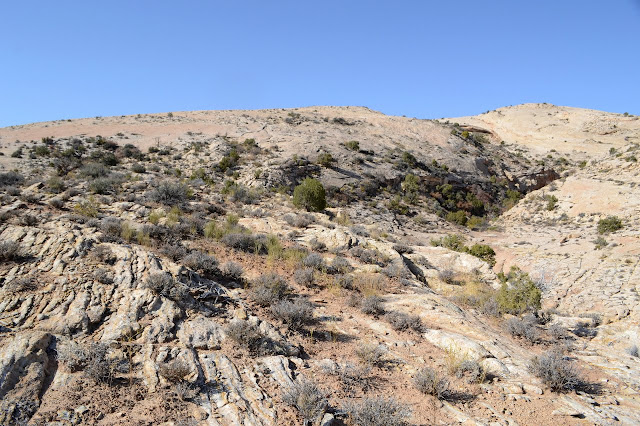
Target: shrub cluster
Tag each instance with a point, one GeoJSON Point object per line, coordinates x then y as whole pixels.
{"type": "Point", "coordinates": [299, 220]}
{"type": "Point", "coordinates": [314, 261]}
{"type": "Point", "coordinates": [308, 399]}
{"type": "Point", "coordinates": [555, 371]}
{"type": "Point", "coordinates": [310, 195]}
{"type": "Point", "coordinates": [372, 305]}
{"type": "Point", "coordinates": [11, 179]}
{"type": "Point", "coordinates": [378, 411]}
{"type": "Point", "coordinates": [269, 289]}
{"type": "Point", "coordinates": [304, 276]}
{"type": "Point", "coordinates": [202, 263]}
{"type": "Point", "coordinates": [609, 224]}
{"type": "Point", "coordinates": [92, 358]}
{"type": "Point", "coordinates": [248, 336]}
{"type": "Point", "coordinates": [456, 242]}
{"type": "Point", "coordinates": [400, 321]}
{"type": "Point", "coordinates": [525, 328]}
{"type": "Point", "coordinates": [244, 242]}
{"type": "Point", "coordinates": [351, 376]}
{"type": "Point", "coordinates": [163, 284]}
{"type": "Point", "coordinates": [175, 371]}
{"type": "Point", "coordinates": [371, 354]}
{"type": "Point", "coordinates": [232, 270]}
{"type": "Point", "coordinates": [170, 193]}
{"type": "Point", "coordinates": [9, 250]}
{"type": "Point", "coordinates": [20, 284]}
{"type": "Point", "coordinates": [518, 293]}
{"type": "Point", "coordinates": [369, 256]}
{"type": "Point", "coordinates": [472, 369]}
{"type": "Point", "coordinates": [295, 314]}
{"type": "Point", "coordinates": [429, 382]}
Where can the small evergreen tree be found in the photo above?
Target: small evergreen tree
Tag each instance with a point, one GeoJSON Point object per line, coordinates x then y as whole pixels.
{"type": "Point", "coordinates": [310, 195]}
{"type": "Point", "coordinates": [518, 293]}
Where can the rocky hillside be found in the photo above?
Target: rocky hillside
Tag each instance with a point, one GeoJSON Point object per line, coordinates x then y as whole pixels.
{"type": "Point", "coordinates": [321, 266]}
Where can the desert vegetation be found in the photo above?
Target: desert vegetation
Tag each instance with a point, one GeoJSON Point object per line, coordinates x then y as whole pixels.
{"type": "Point", "coordinates": [362, 282]}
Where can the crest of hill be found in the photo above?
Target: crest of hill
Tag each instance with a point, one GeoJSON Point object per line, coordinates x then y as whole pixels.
{"type": "Point", "coordinates": [544, 127]}
{"type": "Point", "coordinates": [287, 133]}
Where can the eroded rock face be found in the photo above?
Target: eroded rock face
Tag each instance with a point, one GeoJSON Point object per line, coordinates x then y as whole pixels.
{"type": "Point", "coordinates": [120, 314]}
{"type": "Point", "coordinates": [25, 369]}
{"type": "Point", "coordinates": [535, 179]}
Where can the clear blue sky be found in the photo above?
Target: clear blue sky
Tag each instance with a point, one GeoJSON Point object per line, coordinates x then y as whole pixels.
{"type": "Point", "coordinates": [70, 59]}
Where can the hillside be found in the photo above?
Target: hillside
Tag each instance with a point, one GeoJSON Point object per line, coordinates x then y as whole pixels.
{"type": "Point", "coordinates": [542, 128]}
{"type": "Point", "coordinates": [154, 269]}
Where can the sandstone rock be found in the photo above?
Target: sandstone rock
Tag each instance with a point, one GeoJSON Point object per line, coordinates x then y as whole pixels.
{"type": "Point", "coordinates": [200, 333]}
{"type": "Point", "coordinates": [23, 372]}
{"type": "Point", "coordinates": [457, 343]}
{"type": "Point", "coordinates": [532, 389]}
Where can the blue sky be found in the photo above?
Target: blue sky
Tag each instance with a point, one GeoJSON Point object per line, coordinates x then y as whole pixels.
{"type": "Point", "coordinates": [70, 59]}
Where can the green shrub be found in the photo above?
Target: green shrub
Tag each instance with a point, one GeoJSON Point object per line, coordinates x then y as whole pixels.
{"type": "Point", "coordinates": [105, 185]}
{"type": "Point", "coordinates": [476, 222]}
{"type": "Point", "coordinates": [229, 161]}
{"type": "Point", "coordinates": [352, 145]}
{"type": "Point", "coordinates": [518, 293]}
{"type": "Point", "coordinates": [201, 173]}
{"type": "Point", "coordinates": [325, 159]}
{"type": "Point", "coordinates": [411, 186]}
{"type": "Point", "coordinates": [456, 242]}
{"type": "Point", "coordinates": [512, 198]}
{"type": "Point", "coordinates": [600, 243]}
{"type": "Point", "coordinates": [610, 224]}
{"type": "Point", "coordinates": [458, 217]}
{"type": "Point", "coordinates": [138, 168]}
{"type": "Point", "coordinates": [129, 151]}
{"type": "Point", "coordinates": [273, 246]}
{"type": "Point", "coordinates": [452, 242]}
{"type": "Point", "coordinates": [551, 202]}
{"type": "Point", "coordinates": [88, 208]}
{"type": "Point", "coordinates": [310, 195]}
{"type": "Point", "coordinates": [395, 205]}
{"type": "Point", "coordinates": [239, 193]}
{"type": "Point", "coordinates": [56, 185]}
{"type": "Point", "coordinates": [483, 252]}
{"type": "Point", "coordinates": [409, 159]}
{"type": "Point", "coordinates": [94, 170]}
{"type": "Point", "coordinates": [42, 151]}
